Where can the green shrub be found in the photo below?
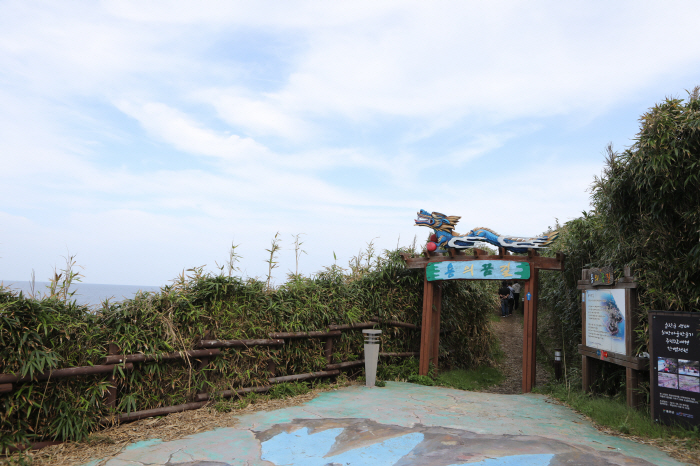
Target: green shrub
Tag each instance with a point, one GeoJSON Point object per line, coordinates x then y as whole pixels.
{"type": "Point", "coordinates": [421, 380]}
{"type": "Point", "coordinates": [40, 334]}
{"type": "Point", "coordinates": [646, 215]}
{"type": "Point", "coordinates": [479, 378]}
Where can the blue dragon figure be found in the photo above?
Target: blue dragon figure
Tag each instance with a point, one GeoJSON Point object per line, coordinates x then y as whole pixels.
{"type": "Point", "coordinates": [444, 226]}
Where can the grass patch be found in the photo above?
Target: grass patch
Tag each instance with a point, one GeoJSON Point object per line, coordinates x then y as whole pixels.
{"type": "Point", "coordinates": [473, 379]}
{"type": "Point", "coordinates": [615, 415]}
{"type": "Point", "coordinates": [462, 379]}
{"type": "Point", "coordinates": [399, 372]}
{"type": "Point", "coordinates": [289, 389]}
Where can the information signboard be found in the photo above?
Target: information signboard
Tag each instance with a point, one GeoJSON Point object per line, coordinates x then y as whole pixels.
{"type": "Point", "coordinates": [675, 362]}
{"type": "Point", "coordinates": [606, 322]}
{"type": "Point", "coordinates": [478, 270]}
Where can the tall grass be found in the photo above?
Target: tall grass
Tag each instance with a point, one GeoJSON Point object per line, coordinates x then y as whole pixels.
{"type": "Point", "coordinates": [56, 332]}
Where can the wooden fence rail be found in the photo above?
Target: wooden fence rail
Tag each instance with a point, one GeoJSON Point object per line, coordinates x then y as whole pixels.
{"type": "Point", "coordinates": [239, 343]}
{"type": "Point", "coordinates": [334, 333]}
{"type": "Point", "coordinates": [357, 326]}
{"type": "Point", "coordinates": [310, 375]}
{"type": "Point", "coordinates": [119, 358]}
{"type": "Point", "coordinates": [68, 372]}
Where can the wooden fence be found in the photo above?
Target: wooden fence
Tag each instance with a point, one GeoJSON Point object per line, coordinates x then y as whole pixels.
{"type": "Point", "coordinates": [206, 350]}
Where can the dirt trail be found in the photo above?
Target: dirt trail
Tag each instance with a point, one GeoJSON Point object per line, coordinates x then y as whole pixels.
{"type": "Point", "coordinates": [510, 333]}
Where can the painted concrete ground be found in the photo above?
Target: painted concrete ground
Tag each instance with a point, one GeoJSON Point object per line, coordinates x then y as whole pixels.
{"type": "Point", "coordinates": [402, 424]}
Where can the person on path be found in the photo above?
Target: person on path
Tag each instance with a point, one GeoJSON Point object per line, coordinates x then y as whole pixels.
{"type": "Point", "coordinates": [516, 295]}
{"type": "Point", "coordinates": [503, 293]}
{"type": "Point", "coordinates": [510, 297]}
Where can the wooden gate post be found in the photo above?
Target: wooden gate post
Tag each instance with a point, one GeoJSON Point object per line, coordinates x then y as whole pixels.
{"type": "Point", "coordinates": [436, 308]}
{"type": "Point", "coordinates": [426, 333]}
{"type": "Point", "coordinates": [530, 327]}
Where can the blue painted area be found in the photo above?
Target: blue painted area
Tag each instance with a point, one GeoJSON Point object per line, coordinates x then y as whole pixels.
{"type": "Point", "coordinates": [300, 448]}
{"type": "Point", "coordinates": [386, 453]}
{"type": "Point", "coordinates": [143, 443]}
{"type": "Point", "coordinates": [397, 406]}
{"type": "Point", "coordinates": [515, 460]}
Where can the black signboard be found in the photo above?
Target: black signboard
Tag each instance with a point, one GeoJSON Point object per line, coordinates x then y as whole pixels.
{"type": "Point", "coordinates": [675, 363]}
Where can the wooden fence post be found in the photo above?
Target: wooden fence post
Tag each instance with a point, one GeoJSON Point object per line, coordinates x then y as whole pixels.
{"type": "Point", "coordinates": [328, 350]}
{"type": "Point", "coordinates": [272, 367]}
{"type": "Point", "coordinates": [111, 398]}
{"type": "Point", "coordinates": [203, 362]}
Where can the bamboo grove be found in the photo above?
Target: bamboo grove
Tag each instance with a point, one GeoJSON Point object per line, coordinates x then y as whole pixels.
{"type": "Point", "coordinates": [51, 333]}
{"type": "Point", "coordinates": [646, 215]}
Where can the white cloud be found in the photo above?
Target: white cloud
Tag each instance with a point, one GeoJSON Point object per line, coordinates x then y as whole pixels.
{"type": "Point", "coordinates": [184, 134]}
{"type": "Point", "coordinates": [259, 117]}
{"type": "Point", "coordinates": [164, 129]}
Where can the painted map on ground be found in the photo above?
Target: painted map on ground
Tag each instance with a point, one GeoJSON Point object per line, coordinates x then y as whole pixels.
{"type": "Point", "coordinates": [478, 270]}
{"type": "Point", "coordinates": [605, 320]}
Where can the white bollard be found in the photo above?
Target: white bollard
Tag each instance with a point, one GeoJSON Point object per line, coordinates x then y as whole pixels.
{"type": "Point", "coordinates": [371, 355]}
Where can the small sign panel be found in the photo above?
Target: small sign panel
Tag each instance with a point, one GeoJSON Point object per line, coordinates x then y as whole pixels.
{"type": "Point", "coordinates": [675, 362]}
{"type": "Point", "coordinates": [478, 270]}
{"type": "Point", "coordinates": [529, 296]}
{"type": "Point", "coordinates": [602, 276]}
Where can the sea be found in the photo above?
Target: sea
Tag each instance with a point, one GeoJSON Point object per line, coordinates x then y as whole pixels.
{"type": "Point", "coordinates": [89, 294]}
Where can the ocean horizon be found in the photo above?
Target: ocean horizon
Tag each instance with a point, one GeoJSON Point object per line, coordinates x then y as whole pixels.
{"type": "Point", "coordinates": [89, 294]}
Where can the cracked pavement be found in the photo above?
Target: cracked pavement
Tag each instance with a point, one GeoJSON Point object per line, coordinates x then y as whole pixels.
{"type": "Point", "coordinates": [402, 424]}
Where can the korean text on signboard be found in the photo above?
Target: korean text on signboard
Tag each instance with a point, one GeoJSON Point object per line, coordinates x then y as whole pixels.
{"type": "Point", "coordinates": [478, 270]}
{"type": "Point", "coordinates": [676, 367]}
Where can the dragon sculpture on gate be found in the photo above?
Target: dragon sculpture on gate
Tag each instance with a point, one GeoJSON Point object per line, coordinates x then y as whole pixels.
{"type": "Point", "coordinates": [445, 236]}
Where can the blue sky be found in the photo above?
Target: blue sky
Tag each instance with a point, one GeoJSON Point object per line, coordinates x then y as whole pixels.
{"type": "Point", "coordinates": [145, 137]}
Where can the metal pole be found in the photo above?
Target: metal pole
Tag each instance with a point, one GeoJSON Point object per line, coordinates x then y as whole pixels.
{"type": "Point", "coordinates": [371, 355]}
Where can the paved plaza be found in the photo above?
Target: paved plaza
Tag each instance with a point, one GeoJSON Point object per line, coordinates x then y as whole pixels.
{"type": "Point", "coordinates": [401, 424]}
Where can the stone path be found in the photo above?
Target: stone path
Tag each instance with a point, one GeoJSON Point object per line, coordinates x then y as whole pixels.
{"type": "Point", "coordinates": [402, 424]}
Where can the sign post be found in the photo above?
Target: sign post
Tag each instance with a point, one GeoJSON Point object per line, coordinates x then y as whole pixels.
{"type": "Point", "coordinates": [674, 349]}
{"type": "Point", "coordinates": [608, 314]}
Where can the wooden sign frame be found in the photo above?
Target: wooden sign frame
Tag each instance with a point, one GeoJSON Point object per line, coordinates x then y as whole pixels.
{"type": "Point", "coordinates": [432, 303]}
{"type": "Point", "coordinates": [591, 358]}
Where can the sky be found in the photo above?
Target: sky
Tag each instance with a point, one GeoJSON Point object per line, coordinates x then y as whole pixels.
{"type": "Point", "coordinates": [146, 138]}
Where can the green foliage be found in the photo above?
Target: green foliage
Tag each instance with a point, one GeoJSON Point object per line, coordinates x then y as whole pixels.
{"type": "Point", "coordinates": [41, 334]}
{"type": "Point", "coordinates": [478, 378]}
{"type": "Point", "coordinates": [648, 199]}
{"type": "Point", "coordinates": [399, 370]}
{"type": "Point", "coordinates": [559, 299]}
{"type": "Point", "coordinates": [288, 389]}
{"type": "Point", "coordinates": [421, 380]}
{"type": "Point", "coordinates": [646, 215]}
{"type": "Point", "coordinates": [614, 414]}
